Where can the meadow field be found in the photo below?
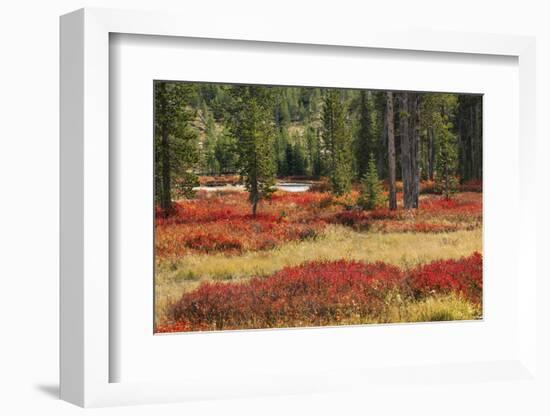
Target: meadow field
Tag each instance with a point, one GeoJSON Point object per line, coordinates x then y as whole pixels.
{"type": "Point", "coordinates": [310, 259]}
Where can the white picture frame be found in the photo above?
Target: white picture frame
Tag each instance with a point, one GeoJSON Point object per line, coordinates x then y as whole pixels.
{"type": "Point", "coordinates": [86, 356]}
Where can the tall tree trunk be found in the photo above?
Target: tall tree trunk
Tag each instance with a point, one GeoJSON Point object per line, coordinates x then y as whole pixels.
{"type": "Point", "coordinates": [479, 139]}
{"type": "Point", "coordinates": [415, 156]}
{"type": "Point", "coordinates": [470, 138]}
{"type": "Point", "coordinates": [405, 148]}
{"type": "Point", "coordinates": [409, 149]}
{"type": "Point", "coordinates": [431, 153]}
{"type": "Point", "coordinates": [254, 206]}
{"type": "Point", "coordinates": [472, 143]}
{"type": "Point", "coordinates": [391, 149]}
{"type": "Point", "coordinates": [465, 139]}
{"type": "Point", "coordinates": [383, 143]}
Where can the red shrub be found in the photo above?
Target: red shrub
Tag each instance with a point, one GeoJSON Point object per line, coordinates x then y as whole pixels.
{"type": "Point", "coordinates": [356, 219]}
{"type": "Point", "coordinates": [462, 276]}
{"type": "Point", "coordinates": [219, 180]}
{"type": "Point", "coordinates": [319, 293]}
{"type": "Point", "coordinates": [230, 236]}
{"type": "Point", "coordinates": [310, 294]}
{"type": "Point", "coordinates": [384, 214]}
{"type": "Point", "coordinates": [428, 187]}
{"type": "Point", "coordinates": [223, 223]}
{"type": "Point", "coordinates": [474, 185]}
{"type": "Point", "coordinates": [436, 204]}
{"type": "Point", "coordinates": [213, 223]}
{"type": "Point", "coordinates": [302, 199]}
{"type": "Point", "coordinates": [207, 242]}
{"type": "Point", "coordinates": [180, 326]}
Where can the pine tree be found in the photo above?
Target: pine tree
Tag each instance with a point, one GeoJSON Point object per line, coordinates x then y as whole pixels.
{"type": "Point", "coordinates": [365, 143]}
{"type": "Point", "coordinates": [313, 155]}
{"type": "Point", "coordinates": [226, 153]}
{"type": "Point", "coordinates": [289, 163]}
{"type": "Point", "coordinates": [176, 150]}
{"type": "Point", "coordinates": [447, 164]}
{"type": "Point", "coordinates": [299, 158]}
{"type": "Point", "coordinates": [391, 150]}
{"type": "Point", "coordinates": [372, 195]}
{"type": "Point", "coordinates": [209, 162]}
{"type": "Point", "coordinates": [252, 125]}
{"type": "Point", "coordinates": [337, 143]}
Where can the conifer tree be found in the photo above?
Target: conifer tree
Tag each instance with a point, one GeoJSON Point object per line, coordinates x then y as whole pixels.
{"type": "Point", "coordinates": [365, 144]}
{"type": "Point", "coordinates": [175, 141]}
{"type": "Point", "coordinates": [209, 162]}
{"type": "Point", "coordinates": [372, 195]}
{"type": "Point", "coordinates": [337, 143]}
{"type": "Point", "coordinates": [447, 163]}
{"type": "Point", "coordinates": [252, 125]}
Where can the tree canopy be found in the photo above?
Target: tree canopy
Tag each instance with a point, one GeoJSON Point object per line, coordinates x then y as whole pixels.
{"type": "Point", "coordinates": [264, 132]}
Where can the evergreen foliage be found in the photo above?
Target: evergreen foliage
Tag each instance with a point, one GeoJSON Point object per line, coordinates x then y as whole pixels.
{"type": "Point", "coordinates": [252, 125]}
{"type": "Point", "coordinates": [337, 143]}
{"type": "Point", "coordinates": [446, 167]}
{"type": "Point", "coordinates": [263, 132]}
{"type": "Point", "coordinates": [176, 150]}
{"type": "Point", "coordinates": [366, 143]}
{"type": "Point", "coordinates": [372, 195]}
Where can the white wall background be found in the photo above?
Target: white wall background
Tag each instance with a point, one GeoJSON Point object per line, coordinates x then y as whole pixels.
{"type": "Point", "coordinates": [29, 187]}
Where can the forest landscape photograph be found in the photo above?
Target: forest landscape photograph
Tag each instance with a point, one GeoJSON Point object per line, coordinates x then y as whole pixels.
{"type": "Point", "coordinates": [288, 207]}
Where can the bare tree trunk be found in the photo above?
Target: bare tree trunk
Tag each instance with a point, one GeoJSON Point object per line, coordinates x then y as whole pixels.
{"type": "Point", "coordinates": [405, 149]}
{"type": "Point", "coordinates": [409, 149]}
{"type": "Point", "coordinates": [472, 144]}
{"type": "Point", "coordinates": [254, 207]}
{"type": "Point", "coordinates": [254, 197]}
{"type": "Point", "coordinates": [382, 144]}
{"type": "Point", "coordinates": [431, 153]}
{"type": "Point", "coordinates": [391, 150]}
{"type": "Point", "coordinates": [479, 139]}
{"type": "Point", "coordinates": [415, 154]}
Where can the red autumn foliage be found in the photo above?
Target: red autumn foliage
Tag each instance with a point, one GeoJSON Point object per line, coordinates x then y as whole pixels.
{"type": "Point", "coordinates": [445, 276]}
{"type": "Point", "coordinates": [310, 294]}
{"type": "Point", "coordinates": [384, 214]}
{"type": "Point", "coordinates": [302, 199]}
{"type": "Point", "coordinates": [474, 185]}
{"type": "Point", "coordinates": [180, 326]}
{"type": "Point", "coordinates": [428, 187]}
{"type": "Point", "coordinates": [216, 222]}
{"type": "Point", "coordinates": [319, 293]}
{"type": "Point", "coordinates": [219, 180]}
{"type": "Point", "coordinates": [358, 220]}
{"type": "Point", "coordinates": [221, 222]}
{"type": "Point", "coordinates": [230, 237]}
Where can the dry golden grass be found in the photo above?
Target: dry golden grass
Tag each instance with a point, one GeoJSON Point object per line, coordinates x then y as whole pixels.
{"type": "Point", "coordinates": [436, 308]}
{"type": "Point", "coordinates": [337, 242]}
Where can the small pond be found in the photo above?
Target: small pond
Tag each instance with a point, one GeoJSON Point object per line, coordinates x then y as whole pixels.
{"type": "Point", "coordinates": [282, 186]}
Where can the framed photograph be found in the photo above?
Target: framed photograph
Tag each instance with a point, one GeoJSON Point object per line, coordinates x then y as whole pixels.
{"type": "Point", "coordinates": [280, 213]}
{"type": "Point", "coordinates": [279, 207]}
